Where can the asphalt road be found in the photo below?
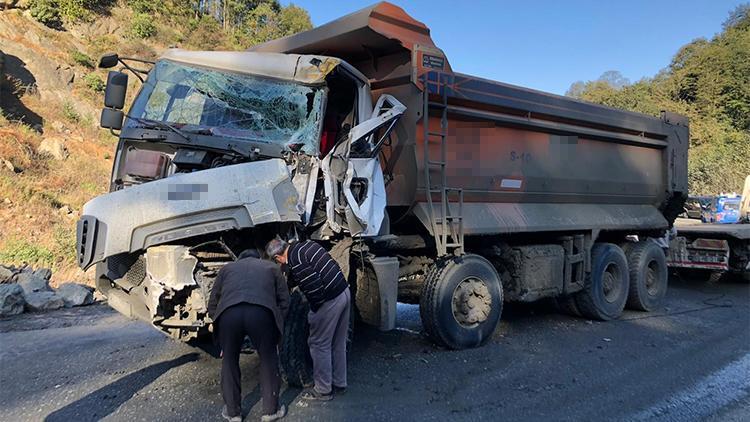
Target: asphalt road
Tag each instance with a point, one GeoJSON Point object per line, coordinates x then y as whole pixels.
{"type": "Point", "coordinates": [689, 361]}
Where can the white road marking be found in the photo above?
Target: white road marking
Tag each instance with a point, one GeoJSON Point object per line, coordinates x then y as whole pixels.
{"type": "Point", "coordinates": [706, 398]}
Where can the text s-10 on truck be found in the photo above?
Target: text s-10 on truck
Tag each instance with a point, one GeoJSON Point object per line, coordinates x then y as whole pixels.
{"type": "Point", "coordinates": [427, 185]}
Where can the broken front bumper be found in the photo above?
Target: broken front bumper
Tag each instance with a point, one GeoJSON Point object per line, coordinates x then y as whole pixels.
{"type": "Point", "coordinates": [185, 205]}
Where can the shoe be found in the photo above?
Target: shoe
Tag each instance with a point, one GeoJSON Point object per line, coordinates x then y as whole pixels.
{"type": "Point", "coordinates": [276, 416]}
{"type": "Point", "coordinates": [339, 390]}
{"type": "Point", "coordinates": [312, 394]}
{"type": "Point", "coordinates": [225, 415]}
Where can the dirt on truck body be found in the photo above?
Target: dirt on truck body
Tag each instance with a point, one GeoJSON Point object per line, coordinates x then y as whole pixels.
{"type": "Point", "coordinates": [427, 185]}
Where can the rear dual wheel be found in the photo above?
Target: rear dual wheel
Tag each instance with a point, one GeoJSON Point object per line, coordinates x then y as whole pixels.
{"type": "Point", "coordinates": [648, 275]}
{"type": "Point", "coordinates": [606, 288]}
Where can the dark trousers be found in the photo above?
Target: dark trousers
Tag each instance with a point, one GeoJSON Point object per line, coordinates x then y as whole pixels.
{"type": "Point", "coordinates": [258, 323]}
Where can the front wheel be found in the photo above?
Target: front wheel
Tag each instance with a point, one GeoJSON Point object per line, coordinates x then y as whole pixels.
{"type": "Point", "coordinates": [461, 301]}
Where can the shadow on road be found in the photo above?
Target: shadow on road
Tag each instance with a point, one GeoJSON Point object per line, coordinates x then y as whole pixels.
{"type": "Point", "coordinates": [107, 399]}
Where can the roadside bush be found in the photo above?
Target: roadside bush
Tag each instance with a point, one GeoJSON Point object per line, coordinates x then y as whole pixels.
{"type": "Point", "coordinates": [94, 82]}
{"type": "Point", "coordinates": [142, 26]}
{"type": "Point", "coordinates": [142, 6]}
{"type": "Point", "coordinates": [64, 239]}
{"type": "Point", "coordinates": [45, 12]}
{"type": "Point", "coordinates": [70, 114]}
{"type": "Point", "coordinates": [81, 59]}
{"type": "Point", "coordinates": [18, 252]}
{"type": "Point", "coordinates": [76, 10]}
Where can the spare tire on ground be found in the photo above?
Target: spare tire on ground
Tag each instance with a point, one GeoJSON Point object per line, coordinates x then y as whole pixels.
{"type": "Point", "coordinates": [294, 356]}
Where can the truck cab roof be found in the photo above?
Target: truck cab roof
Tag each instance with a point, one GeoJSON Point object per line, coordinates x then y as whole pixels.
{"type": "Point", "coordinates": [301, 68]}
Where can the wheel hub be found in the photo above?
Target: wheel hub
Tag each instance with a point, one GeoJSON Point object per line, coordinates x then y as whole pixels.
{"type": "Point", "coordinates": [611, 283]}
{"type": "Point", "coordinates": [471, 302]}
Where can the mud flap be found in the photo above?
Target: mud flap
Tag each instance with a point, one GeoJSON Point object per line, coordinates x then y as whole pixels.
{"type": "Point", "coordinates": [386, 271]}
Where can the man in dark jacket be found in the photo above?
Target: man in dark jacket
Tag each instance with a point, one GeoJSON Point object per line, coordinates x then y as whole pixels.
{"type": "Point", "coordinates": [249, 297]}
{"type": "Point", "coordinates": [320, 279]}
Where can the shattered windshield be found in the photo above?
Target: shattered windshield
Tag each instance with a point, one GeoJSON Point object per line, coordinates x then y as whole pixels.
{"type": "Point", "coordinates": [231, 105]}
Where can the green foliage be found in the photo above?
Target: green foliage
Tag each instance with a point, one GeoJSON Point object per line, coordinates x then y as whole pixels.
{"type": "Point", "coordinates": [76, 10]}
{"type": "Point", "coordinates": [64, 243]}
{"type": "Point", "coordinates": [20, 251]}
{"type": "Point", "coordinates": [708, 81]}
{"type": "Point", "coordinates": [267, 21]}
{"type": "Point", "coordinates": [45, 12]}
{"type": "Point", "coordinates": [81, 59]}
{"type": "Point", "coordinates": [94, 82]}
{"type": "Point", "coordinates": [53, 12]}
{"type": "Point", "coordinates": [142, 26]}
{"type": "Point", "coordinates": [142, 6]}
{"type": "Point", "coordinates": [70, 113]}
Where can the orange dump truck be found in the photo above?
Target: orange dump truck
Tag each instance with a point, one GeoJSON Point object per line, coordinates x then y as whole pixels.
{"type": "Point", "coordinates": [427, 185]}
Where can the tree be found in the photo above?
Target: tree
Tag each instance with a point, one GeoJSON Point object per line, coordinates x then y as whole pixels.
{"type": "Point", "coordinates": [708, 81]}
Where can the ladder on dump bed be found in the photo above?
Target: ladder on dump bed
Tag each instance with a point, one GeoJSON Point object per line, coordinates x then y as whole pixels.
{"type": "Point", "coordinates": [446, 221]}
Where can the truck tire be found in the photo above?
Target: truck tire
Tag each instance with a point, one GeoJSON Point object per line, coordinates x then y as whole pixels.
{"type": "Point", "coordinates": [367, 296]}
{"type": "Point", "coordinates": [294, 356]}
{"type": "Point", "coordinates": [606, 288]}
{"type": "Point", "coordinates": [461, 301]}
{"type": "Point", "coordinates": [648, 275]}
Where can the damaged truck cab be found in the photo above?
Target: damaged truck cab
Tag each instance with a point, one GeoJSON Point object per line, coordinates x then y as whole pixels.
{"type": "Point", "coordinates": [220, 152]}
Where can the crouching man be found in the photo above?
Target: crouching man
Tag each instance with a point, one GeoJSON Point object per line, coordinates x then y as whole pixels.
{"type": "Point", "coordinates": [320, 279]}
{"type": "Point", "coordinates": [249, 297]}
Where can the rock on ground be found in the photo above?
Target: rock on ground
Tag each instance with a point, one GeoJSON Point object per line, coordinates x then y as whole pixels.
{"type": "Point", "coordinates": [74, 294]}
{"type": "Point", "coordinates": [12, 299]}
{"type": "Point", "coordinates": [54, 147]}
{"type": "Point", "coordinates": [43, 301]}
{"type": "Point", "coordinates": [6, 275]}
{"type": "Point", "coordinates": [32, 282]}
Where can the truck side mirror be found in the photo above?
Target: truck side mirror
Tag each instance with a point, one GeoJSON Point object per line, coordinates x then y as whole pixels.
{"type": "Point", "coordinates": [108, 60]}
{"type": "Point", "coordinates": [111, 119]}
{"type": "Point", "coordinates": [117, 87]}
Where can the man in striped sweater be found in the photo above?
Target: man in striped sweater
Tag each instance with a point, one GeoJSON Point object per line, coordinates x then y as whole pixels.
{"type": "Point", "coordinates": [320, 279]}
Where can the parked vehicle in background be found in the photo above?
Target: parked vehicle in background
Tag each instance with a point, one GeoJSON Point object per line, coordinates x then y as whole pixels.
{"type": "Point", "coordinates": [427, 185]}
{"type": "Point", "coordinates": [694, 206]}
{"type": "Point", "coordinates": [722, 209]}
{"type": "Point", "coordinates": [721, 248]}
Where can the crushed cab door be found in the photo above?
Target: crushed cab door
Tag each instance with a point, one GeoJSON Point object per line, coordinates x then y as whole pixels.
{"type": "Point", "coordinates": [353, 178]}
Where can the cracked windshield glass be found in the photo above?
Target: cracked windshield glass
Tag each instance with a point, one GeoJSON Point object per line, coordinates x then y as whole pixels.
{"type": "Point", "coordinates": [231, 105]}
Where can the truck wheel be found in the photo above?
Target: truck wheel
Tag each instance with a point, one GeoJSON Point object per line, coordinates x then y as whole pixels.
{"type": "Point", "coordinates": [294, 356]}
{"type": "Point", "coordinates": [606, 289]}
{"type": "Point", "coordinates": [461, 302]}
{"type": "Point", "coordinates": [367, 296]}
{"type": "Point", "coordinates": [648, 275]}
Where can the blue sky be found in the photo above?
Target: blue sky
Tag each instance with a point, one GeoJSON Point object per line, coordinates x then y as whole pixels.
{"type": "Point", "coordinates": [548, 45]}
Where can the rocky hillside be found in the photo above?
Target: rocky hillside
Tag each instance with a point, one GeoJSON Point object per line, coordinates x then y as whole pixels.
{"type": "Point", "coordinates": [53, 156]}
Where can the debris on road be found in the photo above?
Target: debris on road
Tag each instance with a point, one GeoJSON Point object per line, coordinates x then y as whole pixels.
{"type": "Point", "coordinates": [11, 300]}
{"type": "Point", "coordinates": [43, 301]}
{"type": "Point", "coordinates": [74, 294]}
{"type": "Point", "coordinates": [24, 288]}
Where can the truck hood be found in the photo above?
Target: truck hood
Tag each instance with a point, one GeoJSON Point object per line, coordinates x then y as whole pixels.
{"type": "Point", "coordinates": [186, 205]}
